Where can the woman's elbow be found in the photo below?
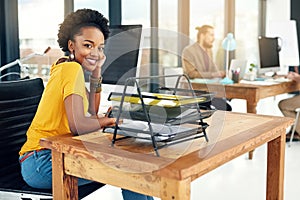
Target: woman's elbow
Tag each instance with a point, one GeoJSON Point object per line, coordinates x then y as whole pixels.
{"type": "Point", "coordinates": [73, 129]}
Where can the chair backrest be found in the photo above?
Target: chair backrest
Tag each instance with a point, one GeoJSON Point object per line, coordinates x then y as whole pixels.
{"type": "Point", "coordinates": [18, 105]}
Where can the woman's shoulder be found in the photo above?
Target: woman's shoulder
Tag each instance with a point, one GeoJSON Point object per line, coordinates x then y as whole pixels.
{"type": "Point", "coordinates": [66, 64]}
{"type": "Point", "coordinates": [65, 68]}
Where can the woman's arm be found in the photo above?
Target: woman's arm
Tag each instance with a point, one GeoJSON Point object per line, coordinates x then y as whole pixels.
{"type": "Point", "coordinates": [78, 122]}
{"type": "Point", "coordinates": [95, 88]}
{"type": "Point", "coordinates": [94, 101]}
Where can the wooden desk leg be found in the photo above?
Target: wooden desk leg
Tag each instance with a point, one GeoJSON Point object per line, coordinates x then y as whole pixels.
{"type": "Point", "coordinates": [175, 190]}
{"type": "Point", "coordinates": [250, 154]}
{"type": "Point", "coordinates": [275, 168]}
{"type": "Point", "coordinates": [63, 186]}
{"type": "Point", "coordinates": [251, 108]}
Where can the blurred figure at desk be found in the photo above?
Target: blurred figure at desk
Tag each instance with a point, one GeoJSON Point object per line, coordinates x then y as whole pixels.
{"type": "Point", "coordinates": [197, 58]}
{"type": "Point", "coordinates": [288, 107]}
{"type": "Point", "coordinates": [197, 61]}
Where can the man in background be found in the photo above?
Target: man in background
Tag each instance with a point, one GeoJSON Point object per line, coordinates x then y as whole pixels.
{"type": "Point", "coordinates": [197, 59]}
{"type": "Point", "coordinates": [197, 62]}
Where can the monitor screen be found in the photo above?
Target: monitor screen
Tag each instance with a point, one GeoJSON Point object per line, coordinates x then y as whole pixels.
{"type": "Point", "coordinates": [268, 55]}
{"type": "Point", "coordinates": [122, 54]}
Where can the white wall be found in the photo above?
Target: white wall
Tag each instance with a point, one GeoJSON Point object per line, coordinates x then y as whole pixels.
{"type": "Point", "coordinates": [278, 10]}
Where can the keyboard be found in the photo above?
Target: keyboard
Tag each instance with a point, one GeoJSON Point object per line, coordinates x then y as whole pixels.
{"type": "Point", "coordinates": [279, 79]}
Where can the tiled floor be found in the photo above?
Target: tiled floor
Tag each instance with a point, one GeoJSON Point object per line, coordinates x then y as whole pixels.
{"type": "Point", "coordinates": [240, 179]}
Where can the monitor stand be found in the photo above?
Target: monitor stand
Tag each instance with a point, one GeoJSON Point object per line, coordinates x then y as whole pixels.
{"type": "Point", "coordinates": [268, 75]}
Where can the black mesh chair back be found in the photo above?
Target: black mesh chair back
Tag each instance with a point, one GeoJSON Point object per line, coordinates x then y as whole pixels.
{"type": "Point", "coordinates": [18, 104]}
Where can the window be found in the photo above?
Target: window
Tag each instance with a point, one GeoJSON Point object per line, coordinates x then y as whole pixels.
{"type": "Point", "coordinates": [168, 34]}
{"type": "Point", "coordinates": [211, 13]}
{"type": "Point", "coordinates": [246, 30]}
{"type": "Point", "coordinates": [138, 12]}
{"type": "Point", "coordinates": [100, 5]}
{"type": "Point", "coordinates": [38, 26]}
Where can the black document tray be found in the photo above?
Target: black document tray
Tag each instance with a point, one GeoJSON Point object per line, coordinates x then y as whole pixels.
{"type": "Point", "coordinates": [165, 117]}
{"type": "Point", "coordinates": [178, 109]}
{"type": "Point", "coordinates": [164, 134]}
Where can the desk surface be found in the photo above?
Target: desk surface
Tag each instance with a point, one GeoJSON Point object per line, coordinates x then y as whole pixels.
{"type": "Point", "coordinates": [250, 92]}
{"type": "Point", "coordinates": [133, 165]}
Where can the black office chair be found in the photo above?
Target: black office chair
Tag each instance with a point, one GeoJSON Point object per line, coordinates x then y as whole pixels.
{"type": "Point", "coordinates": [18, 104]}
{"type": "Point", "coordinates": [221, 104]}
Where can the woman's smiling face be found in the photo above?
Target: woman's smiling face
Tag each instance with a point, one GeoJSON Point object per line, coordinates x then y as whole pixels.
{"type": "Point", "coordinates": [88, 47]}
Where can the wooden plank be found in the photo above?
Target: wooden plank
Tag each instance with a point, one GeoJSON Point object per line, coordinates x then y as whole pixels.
{"type": "Point", "coordinates": [175, 190]}
{"type": "Point", "coordinates": [57, 175]}
{"type": "Point", "coordinates": [275, 168]}
{"type": "Point", "coordinates": [93, 169]}
{"type": "Point", "coordinates": [63, 186]}
{"type": "Point", "coordinates": [113, 156]}
{"type": "Point", "coordinates": [208, 158]}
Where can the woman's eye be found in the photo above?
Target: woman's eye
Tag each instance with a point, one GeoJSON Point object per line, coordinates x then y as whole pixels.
{"type": "Point", "coordinates": [101, 49]}
{"type": "Point", "coordinates": [88, 46]}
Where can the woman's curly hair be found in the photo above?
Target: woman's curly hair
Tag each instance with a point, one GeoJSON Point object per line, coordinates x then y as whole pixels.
{"type": "Point", "coordinates": [78, 19]}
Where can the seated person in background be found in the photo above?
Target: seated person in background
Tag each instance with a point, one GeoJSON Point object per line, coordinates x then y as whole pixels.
{"type": "Point", "coordinates": [288, 106]}
{"type": "Point", "coordinates": [197, 61]}
{"type": "Point", "coordinates": [197, 58]}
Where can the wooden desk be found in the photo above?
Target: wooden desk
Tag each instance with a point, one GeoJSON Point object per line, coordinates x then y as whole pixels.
{"type": "Point", "coordinates": [251, 93]}
{"type": "Point", "coordinates": [133, 165]}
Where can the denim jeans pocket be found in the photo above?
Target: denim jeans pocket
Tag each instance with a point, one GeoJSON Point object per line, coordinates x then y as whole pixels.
{"type": "Point", "coordinates": [37, 170]}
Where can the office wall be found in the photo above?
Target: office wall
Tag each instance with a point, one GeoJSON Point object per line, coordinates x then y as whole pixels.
{"type": "Point", "coordinates": [278, 9]}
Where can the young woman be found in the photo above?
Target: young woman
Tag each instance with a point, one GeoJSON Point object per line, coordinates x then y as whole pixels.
{"type": "Point", "coordinates": [65, 102]}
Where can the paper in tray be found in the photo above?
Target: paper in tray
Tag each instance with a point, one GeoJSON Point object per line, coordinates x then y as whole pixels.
{"type": "Point", "coordinates": [157, 99]}
{"type": "Point", "coordinates": [161, 132]}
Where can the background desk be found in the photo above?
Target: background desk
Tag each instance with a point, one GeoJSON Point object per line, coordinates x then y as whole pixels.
{"type": "Point", "coordinates": [134, 166]}
{"type": "Point", "coordinates": [250, 92]}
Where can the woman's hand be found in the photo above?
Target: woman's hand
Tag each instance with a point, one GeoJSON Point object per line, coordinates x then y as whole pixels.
{"type": "Point", "coordinates": [108, 113]}
{"type": "Point", "coordinates": [102, 61]}
{"type": "Point", "coordinates": [97, 72]}
{"type": "Point", "coordinates": [106, 121]}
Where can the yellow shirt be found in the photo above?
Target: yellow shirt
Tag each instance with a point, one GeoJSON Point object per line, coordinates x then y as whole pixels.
{"type": "Point", "coordinates": [51, 119]}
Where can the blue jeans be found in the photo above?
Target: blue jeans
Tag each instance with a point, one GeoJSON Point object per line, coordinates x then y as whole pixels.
{"type": "Point", "coordinates": [37, 173]}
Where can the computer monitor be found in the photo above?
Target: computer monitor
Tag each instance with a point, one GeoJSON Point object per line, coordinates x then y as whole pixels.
{"type": "Point", "coordinates": [268, 55]}
{"type": "Point", "coordinates": [122, 54]}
